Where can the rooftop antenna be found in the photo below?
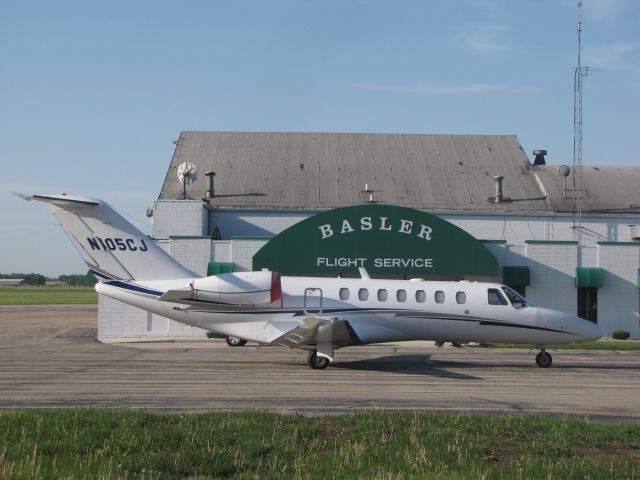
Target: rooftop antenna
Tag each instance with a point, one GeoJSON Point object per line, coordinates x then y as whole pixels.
{"type": "Point", "coordinates": [577, 134]}
{"type": "Point", "coordinates": [579, 74]}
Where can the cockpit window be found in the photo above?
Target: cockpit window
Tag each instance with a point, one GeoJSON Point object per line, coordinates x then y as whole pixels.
{"type": "Point", "coordinates": [495, 297]}
{"type": "Point", "coordinates": [517, 300]}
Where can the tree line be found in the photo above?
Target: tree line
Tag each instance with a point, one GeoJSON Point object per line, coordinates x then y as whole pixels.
{"type": "Point", "coordinates": [35, 279]}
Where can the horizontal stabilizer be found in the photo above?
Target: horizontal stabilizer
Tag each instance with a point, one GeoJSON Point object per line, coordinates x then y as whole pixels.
{"type": "Point", "coordinates": [178, 295]}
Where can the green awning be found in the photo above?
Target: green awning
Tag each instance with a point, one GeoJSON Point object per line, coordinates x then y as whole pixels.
{"type": "Point", "coordinates": [214, 268]}
{"type": "Point", "coordinates": [589, 277]}
{"type": "Point", "coordinates": [516, 276]}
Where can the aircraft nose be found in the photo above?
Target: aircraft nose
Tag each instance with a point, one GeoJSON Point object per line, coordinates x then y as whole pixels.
{"type": "Point", "coordinates": [586, 331]}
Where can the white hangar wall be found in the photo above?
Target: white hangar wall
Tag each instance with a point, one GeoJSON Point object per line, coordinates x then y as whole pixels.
{"type": "Point", "coordinates": [541, 242]}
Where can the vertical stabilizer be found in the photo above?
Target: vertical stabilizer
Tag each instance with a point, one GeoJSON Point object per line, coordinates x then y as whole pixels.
{"type": "Point", "coordinates": [110, 245]}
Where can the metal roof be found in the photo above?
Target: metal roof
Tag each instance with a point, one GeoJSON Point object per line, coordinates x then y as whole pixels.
{"type": "Point", "coordinates": [427, 172]}
{"type": "Point", "coordinates": [606, 189]}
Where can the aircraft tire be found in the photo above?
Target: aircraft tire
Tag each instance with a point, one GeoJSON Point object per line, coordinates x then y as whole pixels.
{"type": "Point", "coordinates": [317, 362]}
{"type": "Point", "coordinates": [234, 341]}
{"type": "Point", "coordinates": [544, 359]}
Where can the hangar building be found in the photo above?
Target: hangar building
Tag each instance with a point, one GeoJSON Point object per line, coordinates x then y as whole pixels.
{"type": "Point", "coordinates": [275, 196]}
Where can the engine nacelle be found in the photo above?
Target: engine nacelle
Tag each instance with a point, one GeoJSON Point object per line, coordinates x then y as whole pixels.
{"type": "Point", "coordinates": [240, 288]}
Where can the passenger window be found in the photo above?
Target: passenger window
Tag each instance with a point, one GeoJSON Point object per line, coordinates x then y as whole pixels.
{"type": "Point", "coordinates": [382, 295]}
{"type": "Point", "coordinates": [363, 294]}
{"type": "Point", "coordinates": [344, 294]}
{"type": "Point", "coordinates": [439, 296]}
{"type": "Point", "coordinates": [495, 297]}
{"type": "Point", "coordinates": [401, 295]}
{"type": "Point", "coordinates": [421, 297]}
{"type": "Point", "coordinates": [461, 298]}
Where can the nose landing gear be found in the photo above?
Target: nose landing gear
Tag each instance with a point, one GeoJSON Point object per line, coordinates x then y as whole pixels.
{"type": "Point", "coordinates": [317, 362]}
{"type": "Point", "coordinates": [543, 359]}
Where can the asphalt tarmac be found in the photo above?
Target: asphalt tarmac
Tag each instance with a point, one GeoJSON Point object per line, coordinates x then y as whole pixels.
{"type": "Point", "coordinates": [50, 358]}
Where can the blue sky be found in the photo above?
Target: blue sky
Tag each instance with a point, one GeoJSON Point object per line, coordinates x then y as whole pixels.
{"type": "Point", "coordinates": [93, 92]}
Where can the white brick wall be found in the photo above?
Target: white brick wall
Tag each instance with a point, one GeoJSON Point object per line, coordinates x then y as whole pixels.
{"type": "Point", "coordinates": [619, 297]}
{"type": "Point", "coordinates": [118, 321]}
{"type": "Point", "coordinates": [221, 251]}
{"type": "Point", "coordinates": [179, 217]}
{"type": "Point", "coordinates": [193, 253]}
{"type": "Point", "coordinates": [552, 267]}
{"type": "Point", "coordinates": [243, 252]}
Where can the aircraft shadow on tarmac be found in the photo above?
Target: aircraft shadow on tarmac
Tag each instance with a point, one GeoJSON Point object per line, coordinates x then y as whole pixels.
{"type": "Point", "coordinates": [408, 365]}
{"type": "Point", "coordinates": [424, 365]}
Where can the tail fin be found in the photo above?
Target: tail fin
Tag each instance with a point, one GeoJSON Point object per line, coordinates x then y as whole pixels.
{"type": "Point", "coordinates": [109, 244]}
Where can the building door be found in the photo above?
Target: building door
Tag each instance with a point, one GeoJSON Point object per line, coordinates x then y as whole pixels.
{"type": "Point", "coordinates": [588, 303]}
{"type": "Point", "coordinates": [312, 300]}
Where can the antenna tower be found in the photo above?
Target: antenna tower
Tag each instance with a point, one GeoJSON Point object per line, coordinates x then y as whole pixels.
{"type": "Point", "coordinates": [577, 135]}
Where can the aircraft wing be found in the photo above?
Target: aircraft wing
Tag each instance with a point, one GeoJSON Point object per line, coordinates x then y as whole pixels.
{"type": "Point", "coordinates": [314, 330]}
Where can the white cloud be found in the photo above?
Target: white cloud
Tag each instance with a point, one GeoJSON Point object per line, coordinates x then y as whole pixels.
{"type": "Point", "coordinates": [613, 56]}
{"type": "Point", "coordinates": [426, 88]}
{"type": "Point", "coordinates": [484, 39]}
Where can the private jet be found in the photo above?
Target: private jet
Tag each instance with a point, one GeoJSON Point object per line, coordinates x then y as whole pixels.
{"type": "Point", "coordinates": [319, 315]}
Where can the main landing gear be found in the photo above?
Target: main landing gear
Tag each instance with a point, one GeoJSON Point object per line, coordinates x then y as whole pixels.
{"type": "Point", "coordinates": [317, 362]}
{"type": "Point", "coordinates": [543, 359]}
{"type": "Point", "coordinates": [234, 341]}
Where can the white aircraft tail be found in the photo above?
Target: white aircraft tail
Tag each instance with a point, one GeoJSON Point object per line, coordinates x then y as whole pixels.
{"type": "Point", "coordinates": [111, 246]}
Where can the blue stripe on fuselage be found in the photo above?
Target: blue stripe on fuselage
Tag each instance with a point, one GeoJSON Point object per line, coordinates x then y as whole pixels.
{"type": "Point", "coordinates": [134, 288]}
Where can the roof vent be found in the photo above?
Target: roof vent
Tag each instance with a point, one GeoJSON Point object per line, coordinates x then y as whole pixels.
{"type": "Point", "coordinates": [210, 192]}
{"type": "Point", "coordinates": [539, 160]}
{"type": "Point", "coordinates": [499, 197]}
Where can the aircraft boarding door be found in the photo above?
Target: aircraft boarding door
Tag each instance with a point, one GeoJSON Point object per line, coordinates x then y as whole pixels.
{"type": "Point", "coordinates": [312, 301]}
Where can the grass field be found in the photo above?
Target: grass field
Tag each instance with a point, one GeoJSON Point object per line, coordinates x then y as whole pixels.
{"type": "Point", "coordinates": [128, 444]}
{"type": "Point", "coordinates": [47, 295]}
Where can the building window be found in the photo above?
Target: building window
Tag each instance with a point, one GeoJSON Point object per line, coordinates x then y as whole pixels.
{"type": "Point", "coordinates": [494, 297]}
{"type": "Point", "coordinates": [521, 290]}
{"type": "Point", "coordinates": [382, 295]}
{"type": "Point", "coordinates": [401, 295]}
{"type": "Point", "coordinates": [588, 303]}
{"type": "Point", "coordinates": [461, 298]}
{"type": "Point", "coordinates": [344, 294]}
{"type": "Point", "coordinates": [439, 296]}
{"type": "Point", "coordinates": [421, 297]}
{"type": "Point", "coordinates": [363, 294]}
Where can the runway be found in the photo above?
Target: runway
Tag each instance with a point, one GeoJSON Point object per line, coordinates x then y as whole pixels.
{"type": "Point", "coordinates": [49, 358]}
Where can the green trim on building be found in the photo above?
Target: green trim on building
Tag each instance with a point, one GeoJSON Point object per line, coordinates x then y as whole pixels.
{"type": "Point", "coordinates": [516, 276]}
{"type": "Point", "coordinates": [252, 238]}
{"type": "Point", "coordinates": [215, 268]}
{"type": "Point", "coordinates": [189, 237]}
{"type": "Point", "coordinates": [384, 239]}
{"type": "Point", "coordinates": [589, 277]}
{"type": "Point", "coordinates": [551, 242]}
{"type": "Point", "coordinates": [638, 281]}
{"type": "Point", "coordinates": [621, 244]}
{"type": "Point", "coordinates": [492, 241]}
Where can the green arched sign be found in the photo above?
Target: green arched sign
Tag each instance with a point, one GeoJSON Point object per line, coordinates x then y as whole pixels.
{"type": "Point", "coordinates": [385, 239]}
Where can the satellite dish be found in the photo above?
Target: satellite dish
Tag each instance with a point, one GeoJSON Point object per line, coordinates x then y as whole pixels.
{"type": "Point", "coordinates": [186, 173]}
{"type": "Point", "coordinates": [564, 170]}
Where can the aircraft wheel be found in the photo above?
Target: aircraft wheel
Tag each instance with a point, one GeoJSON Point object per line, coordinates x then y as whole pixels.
{"type": "Point", "coordinates": [234, 341]}
{"type": "Point", "coordinates": [317, 362]}
{"type": "Point", "coordinates": [543, 359]}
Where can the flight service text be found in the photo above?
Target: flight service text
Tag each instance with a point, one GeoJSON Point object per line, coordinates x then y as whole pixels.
{"type": "Point", "coordinates": [377, 262]}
